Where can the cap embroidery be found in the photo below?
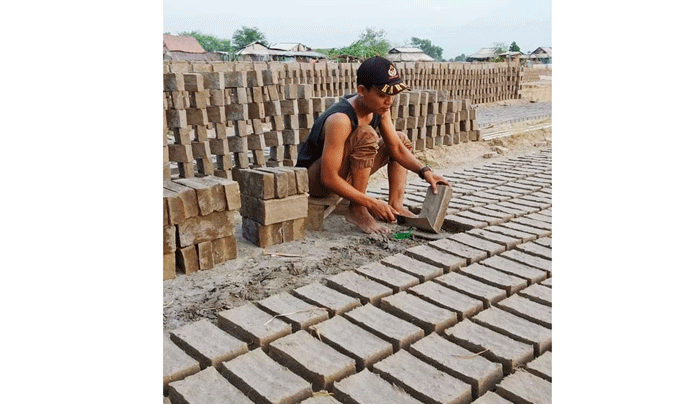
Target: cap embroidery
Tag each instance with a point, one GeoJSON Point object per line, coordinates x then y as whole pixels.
{"type": "Point", "coordinates": [392, 71]}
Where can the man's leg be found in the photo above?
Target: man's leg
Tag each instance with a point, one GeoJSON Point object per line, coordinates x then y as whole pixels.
{"type": "Point", "coordinates": [396, 174]}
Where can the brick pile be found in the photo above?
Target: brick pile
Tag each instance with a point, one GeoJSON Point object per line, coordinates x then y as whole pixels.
{"type": "Point", "coordinates": [199, 231]}
{"type": "Point", "coordinates": [274, 204]}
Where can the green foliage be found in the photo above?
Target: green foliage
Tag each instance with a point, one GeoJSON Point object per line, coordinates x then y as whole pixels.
{"type": "Point", "coordinates": [209, 42]}
{"type": "Point", "coordinates": [371, 43]}
{"type": "Point", "coordinates": [245, 35]}
{"type": "Point", "coordinates": [460, 58]}
{"type": "Point", "coordinates": [514, 47]}
{"type": "Point", "coordinates": [498, 48]}
{"type": "Point", "coordinates": [428, 48]}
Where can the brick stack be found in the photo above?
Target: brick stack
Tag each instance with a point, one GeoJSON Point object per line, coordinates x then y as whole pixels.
{"type": "Point", "coordinates": [274, 204]}
{"type": "Point", "coordinates": [199, 232]}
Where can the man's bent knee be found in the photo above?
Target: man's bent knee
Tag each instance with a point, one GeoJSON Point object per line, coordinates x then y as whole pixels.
{"type": "Point", "coordinates": [363, 145]}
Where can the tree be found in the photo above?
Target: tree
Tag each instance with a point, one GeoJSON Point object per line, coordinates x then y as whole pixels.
{"type": "Point", "coordinates": [498, 49]}
{"type": "Point", "coordinates": [209, 42]}
{"type": "Point", "coordinates": [245, 35]}
{"type": "Point", "coordinates": [428, 48]}
{"type": "Point", "coordinates": [514, 47]}
{"type": "Point", "coordinates": [370, 43]}
{"type": "Point", "coordinates": [460, 58]}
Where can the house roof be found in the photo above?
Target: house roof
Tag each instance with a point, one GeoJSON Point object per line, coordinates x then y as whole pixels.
{"type": "Point", "coordinates": [405, 50]}
{"type": "Point", "coordinates": [542, 49]}
{"type": "Point", "coordinates": [483, 53]}
{"type": "Point", "coordinates": [287, 46]}
{"type": "Point", "coordinates": [409, 57]}
{"type": "Point", "coordinates": [181, 43]}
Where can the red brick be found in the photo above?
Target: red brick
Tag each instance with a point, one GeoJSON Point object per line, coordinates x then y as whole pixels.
{"type": "Point", "coordinates": [471, 287]}
{"type": "Point", "coordinates": [252, 325]}
{"type": "Point", "coordinates": [447, 298]}
{"type": "Point", "coordinates": [265, 381]}
{"type": "Point", "coordinates": [388, 276]}
{"type": "Point", "coordinates": [491, 345]}
{"type": "Point", "coordinates": [323, 296]}
{"type": "Point", "coordinates": [523, 387]}
{"type": "Point", "coordinates": [206, 387]}
{"type": "Point", "coordinates": [516, 328]}
{"type": "Point", "coordinates": [430, 317]}
{"type": "Point", "coordinates": [368, 388]}
{"type": "Point", "coordinates": [353, 341]}
{"type": "Point", "coordinates": [207, 343]}
{"type": "Point", "coordinates": [293, 310]}
{"type": "Point", "coordinates": [352, 284]}
{"type": "Point", "coordinates": [423, 381]}
{"type": "Point", "coordinates": [312, 359]}
{"type": "Point", "coordinates": [458, 362]}
{"type": "Point", "coordinates": [394, 330]}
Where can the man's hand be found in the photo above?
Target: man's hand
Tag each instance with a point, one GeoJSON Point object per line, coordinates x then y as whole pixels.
{"type": "Point", "coordinates": [435, 179]}
{"type": "Point", "coordinates": [381, 210]}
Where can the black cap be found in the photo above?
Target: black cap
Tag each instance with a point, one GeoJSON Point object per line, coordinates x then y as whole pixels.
{"type": "Point", "coordinates": [381, 73]}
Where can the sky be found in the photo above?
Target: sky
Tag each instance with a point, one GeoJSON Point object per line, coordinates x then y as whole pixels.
{"type": "Point", "coordinates": [455, 26]}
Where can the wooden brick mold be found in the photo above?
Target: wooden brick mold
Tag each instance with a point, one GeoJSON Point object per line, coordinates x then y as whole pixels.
{"type": "Point", "coordinates": [199, 232]}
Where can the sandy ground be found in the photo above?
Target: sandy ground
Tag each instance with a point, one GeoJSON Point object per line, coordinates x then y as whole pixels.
{"type": "Point", "coordinates": [258, 273]}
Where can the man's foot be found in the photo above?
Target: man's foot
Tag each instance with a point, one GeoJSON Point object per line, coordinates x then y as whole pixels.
{"type": "Point", "coordinates": [403, 211]}
{"type": "Point", "coordinates": [360, 217]}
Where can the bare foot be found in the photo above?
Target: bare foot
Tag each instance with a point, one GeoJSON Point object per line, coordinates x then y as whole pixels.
{"type": "Point", "coordinates": [360, 217]}
{"type": "Point", "coordinates": [403, 211]}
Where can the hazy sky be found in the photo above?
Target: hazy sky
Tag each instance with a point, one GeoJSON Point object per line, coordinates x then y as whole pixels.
{"type": "Point", "coordinates": [456, 26]}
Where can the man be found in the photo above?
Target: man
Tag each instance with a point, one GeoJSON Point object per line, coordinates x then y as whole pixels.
{"type": "Point", "coordinates": [343, 149]}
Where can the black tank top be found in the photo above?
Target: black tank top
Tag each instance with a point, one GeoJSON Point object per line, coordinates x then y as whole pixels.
{"type": "Point", "coordinates": [310, 151]}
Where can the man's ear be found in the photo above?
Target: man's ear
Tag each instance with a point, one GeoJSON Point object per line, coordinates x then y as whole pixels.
{"type": "Point", "coordinates": [362, 90]}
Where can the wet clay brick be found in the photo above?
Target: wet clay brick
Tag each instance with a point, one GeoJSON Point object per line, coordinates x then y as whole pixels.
{"type": "Point", "coordinates": [388, 276]}
{"type": "Point", "coordinates": [394, 330]}
{"type": "Point", "coordinates": [323, 296]}
{"type": "Point", "coordinates": [516, 328]}
{"type": "Point", "coordinates": [490, 220]}
{"type": "Point", "coordinates": [544, 241]}
{"type": "Point", "coordinates": [506, 241]}
{"type": "Point", "coordinates": [264, 380]}
{"type": "Point", "coordinates": [533, 223]}
{"type": "Point", "coordinates": [475, 242]}
{"type": "Point", "coordinates": [253, 325]}
{"type": "Point", "coordinates": [413, 309]}
{"type": "Point", "coordinates": [447, 298]}
{"type": "Point", "coordinates": [207, 343]}
{"type": "Point", "coordinates": [531, 274]}
{"type": "Point", "coordinates": [368, 388]}
{"type": "Point", "coordinates": [454, 223]}
{"type": "Point", "coordinates": [452, 247]}
{"type": "Point", "coordinates": [526, 388]}
{"type": "Point", "coordinates": [274, 210]}
{"type": "Point", "coordinates": [176, 364]}
{"type": "Point", "coordinates": [423, 381]}
{"type": "Point", "coordinates": [492, 398]}
{"type": "Point", "coordinates": [458, 362]}
{"type": "Point", "coordinates": [321, 400]}
{"type": "Point", "coordinates": [353, 341]}
{"type": "Point", "coordinates": [419, 269]}
{"type": "Point", "coordinates": [536, 250]}
{"type": "Point", "coordinates": [491, 345]}
{"type": "Point", "coordinates": [537, 293]}
{"type": "Point", "coordinates": [352, 284]}
{"type": "Point", "coordinates": [510, 283]}
{"type": "Point", "coordinates": [433, 256]}
{"type": "Point", "coordinates": [527, 309]}
{"type": "Point", "coordinates": [506, 231]}
{"type": "Point", "coordinates": [471, 287]}
{"type": "Point", "coordinates": [206, 387]}
{"type": "Point", "coordinates": [198, 229]}
{"type": "Point", "coordinates": [546, 282]}
{"type": "Point", "coordinates": [293, 310]}
{"type": "Point", "coordinates": [312, 359]}
{"type": "Point", "coordinates": [541, 366]}
{"type": "Point", "coordinates": [528, 259]}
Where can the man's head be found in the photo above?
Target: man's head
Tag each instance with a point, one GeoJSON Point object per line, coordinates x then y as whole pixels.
{"type": "Point", "coordinates": [380, 73]}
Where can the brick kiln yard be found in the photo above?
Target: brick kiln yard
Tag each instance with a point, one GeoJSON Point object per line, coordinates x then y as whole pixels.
{"type": "Point", "coordinates": [338, 316]}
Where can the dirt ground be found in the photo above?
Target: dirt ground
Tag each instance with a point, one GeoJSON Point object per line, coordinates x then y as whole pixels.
{"type": "Point", "coordinates": [258, 273]}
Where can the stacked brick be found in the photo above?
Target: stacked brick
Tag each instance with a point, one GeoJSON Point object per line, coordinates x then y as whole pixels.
{"type": "Point", "coordinates": [199, 231]}
{"type": "Point", "coordinates": [430, 119]}
{"type": "Point", "coordinates": [274, 204]}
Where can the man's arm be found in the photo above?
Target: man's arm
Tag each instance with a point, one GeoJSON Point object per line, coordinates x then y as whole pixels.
{"type": "Point", "coordinates": [402, 155]}
{"type": "Point", "coordinates": [337, 128]}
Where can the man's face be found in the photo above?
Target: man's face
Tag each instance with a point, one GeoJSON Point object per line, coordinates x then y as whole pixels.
{"type": "Point", "coordinates": [377, 101]}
